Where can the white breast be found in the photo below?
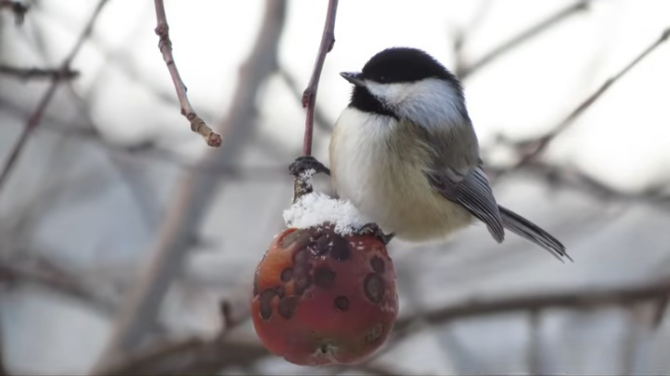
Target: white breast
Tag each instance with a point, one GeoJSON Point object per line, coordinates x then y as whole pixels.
{"type": "Point", "coordinates": [385, 186]}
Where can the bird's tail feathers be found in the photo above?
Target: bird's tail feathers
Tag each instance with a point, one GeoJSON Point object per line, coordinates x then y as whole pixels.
{"type": "Point", "coordinates": [533, 233]}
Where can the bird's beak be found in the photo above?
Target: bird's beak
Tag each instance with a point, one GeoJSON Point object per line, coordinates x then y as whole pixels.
{"type": "Point", "coordinates": [353, 77]}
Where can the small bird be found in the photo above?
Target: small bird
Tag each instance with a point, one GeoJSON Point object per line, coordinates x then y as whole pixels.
{"type": "Point", "coordinates": [404, 152]}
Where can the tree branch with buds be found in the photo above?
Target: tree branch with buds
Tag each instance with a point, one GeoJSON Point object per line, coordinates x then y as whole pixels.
{"type": "Point", "coordinates": [165, 46]}
{"type": "Point", "coordinates": [309, 95]}
{"type": "Point", "coordinates": [305, 166]}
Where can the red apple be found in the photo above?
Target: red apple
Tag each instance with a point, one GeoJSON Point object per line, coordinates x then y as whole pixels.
{"type": "Point", "coordinates": [320, 297]}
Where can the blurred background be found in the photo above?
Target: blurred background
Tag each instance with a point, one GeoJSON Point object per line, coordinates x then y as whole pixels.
{"type": "Point", "coordinates": [127, 246]}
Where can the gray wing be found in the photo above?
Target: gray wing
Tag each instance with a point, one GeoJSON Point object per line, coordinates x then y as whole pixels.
{"type": "Point", "coordinates": [470, 188]}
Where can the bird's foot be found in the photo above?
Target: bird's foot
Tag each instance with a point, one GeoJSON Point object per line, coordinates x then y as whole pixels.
{"type": "Point", "coordinates": [305, 163]}
{"type": "Point", "coordinates": [373, 229]}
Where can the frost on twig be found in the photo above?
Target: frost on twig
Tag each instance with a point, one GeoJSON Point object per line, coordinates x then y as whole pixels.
{"type": "Point", "coordinates": [165, 46]}
{"type": "Point", "coordinates": [303, 184]}
{"type": "Point", "coordinates": [316, 208]}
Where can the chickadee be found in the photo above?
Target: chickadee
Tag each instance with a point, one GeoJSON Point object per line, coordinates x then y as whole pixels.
{"type": "Point", "coordinates": [405, 153]}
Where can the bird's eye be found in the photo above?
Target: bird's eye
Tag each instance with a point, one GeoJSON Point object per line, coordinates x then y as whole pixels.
{"type": "Point", "coordinates": [382, 78]}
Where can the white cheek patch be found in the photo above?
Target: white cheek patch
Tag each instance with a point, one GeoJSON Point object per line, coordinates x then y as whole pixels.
{"type": "Point", "coordinates": [390, 94]}
{"type": "Point", "coordinates": [432, 103]}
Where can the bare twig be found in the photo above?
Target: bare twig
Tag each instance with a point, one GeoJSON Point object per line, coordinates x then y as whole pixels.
{"type": "Point", "coordinates": [579, 299]}
{"type": "Point", "coordinates": [199, 352]}
{"type": "Point", "coordinates": [660, 311]}
{"type": "Point", "coordinates": [35, 118]}
{"type": "Point", "coordinates": [320, 118]}
{"type": "Point", "coordinates": [534, 342]}
{"type": "Point", "coordinates": [50, 276]}
{"type": "Point", "coordinates": [636, 338]}
{"type": "Point", "coordinates": [3, 366]}
{"type": "Point", "coordinates": [165, 45]}
{"type": "Point", "coordinates": [461, 35]}
{"type": "Point", "coordinates": [302, 183]}
{"type": "Point", "coordinates": [155, 152]}
{"type": "Point", "coordinates": [572, 178]}
{"type": "Point", "coordinates": [192, 356]}
{"type": "Point", "coordinates": [519, 39]}
{"type": "Point", "coordinates": [38, 73]}
{"type": "Point", "coordinates": [19, 9]}
{"type": "Point", "coordinates": [539, 145]}
{"type": "Point", "coordinates": [192, 198]}
{"type": "Point", "coordinates": [309, 95]}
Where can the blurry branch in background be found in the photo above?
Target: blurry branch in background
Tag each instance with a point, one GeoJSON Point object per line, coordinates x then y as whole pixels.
{"type": "Point", "coordinates": [625, 297]}
{"type": "Point", "coordinates": [36, 116]}
{"type": "Point", "coordinates": [193, 198]}
{"type": "Point", "coordinates": [461, 35]}
{"type": "Point", "coordinates": [575, 179]}
{"type": "Point", "coordinates": [533, 350]}
{"type": "Point", "coordinates": [158, 153]}
{"type": "Point", "coordinates": [19, 9]}
{"type": "Point", "coordinates": [552, 174]}
{"type": "Point", "coordinates": [465, 70]}
{"type": "Point", "coordinates": [206, 357]}
{"type": "Point", "coordinates": [3, 367]}
{"type": "Point", "coordinates": [660, 312]}
{"type": "Point", "coordinates": [192, 356]}
{"type": "Point", "coordinates": [309, 95]}
{"type": "Point", "coordinates": [41, 272]}
{"type": "Point", "coordinates": [529, 150]}
{"type": "Point", "coordinates": [584, 298]}
{"type": "Point", "coordinates": [197, 356]}
{"type": "Point", "coordinates": [165, 45]}
{"type": "Point", "coordinates": [39, 73]}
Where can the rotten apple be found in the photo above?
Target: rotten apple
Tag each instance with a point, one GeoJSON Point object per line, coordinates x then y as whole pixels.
{"type": "Point", "coordinates": [320, 297]}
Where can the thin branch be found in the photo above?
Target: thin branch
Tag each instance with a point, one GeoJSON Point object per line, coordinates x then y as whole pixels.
{"type": "Point", "coordinates": [320, 118]}
{"type": "Point", "coordinates": [38, 73]}
{"type": "Point", "coordinates": [45, 274]}
{"type": "Point", "coordinates": [198, 352]}
{"type": "Point", "coordinates": [635, 341]}
{"type": "Point", "coordinates": [534, 342]}
{"type": "Point", "coordinates": [461, 35]}
{"type": "Point", "coordinates": [19, 9]}
{"type": "Point", "coordinates": [164, 154]}
{"type": "Point", "coordinates": [193, 197]}
{"type": "Point", "coordinates": [578, 299]}
{"type": "Point", "coordinates": [660, 311]}
{"type": "Point", "coordinates": [539, 145]}
{"type": "Point", "coordinates": [3, 366]}
{"type": "Point", "coordinates": [572, 178]}
{"type": "Point", "coordinates": [309, 95]}
{"type": "Point", "coordinates": [191, 356]}
{"type": "Point", "coordinates": [302, 183]}
{"type": "Point", "coordinates": [165, 45]}
{"type": "Point", "coordinates": [524, 36]}
{"type": "Point", "coordinates": [35, 118]}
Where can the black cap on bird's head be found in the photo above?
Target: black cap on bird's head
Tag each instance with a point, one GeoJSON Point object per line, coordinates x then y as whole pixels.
{"type": "Point", "coordinates": [396, 65]}
{"type": "Point", "coordinates": [400, 64]}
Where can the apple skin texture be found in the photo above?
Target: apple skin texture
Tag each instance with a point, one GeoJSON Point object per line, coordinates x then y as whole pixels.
{"type": "Point", "coordinates": [323, 298]}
